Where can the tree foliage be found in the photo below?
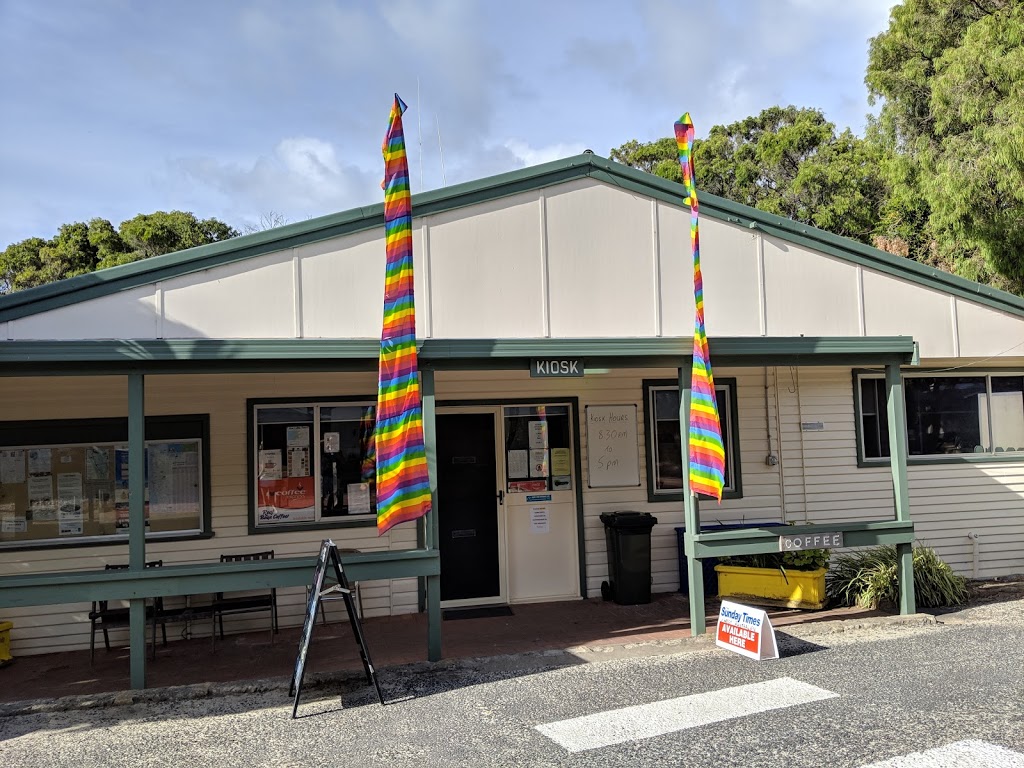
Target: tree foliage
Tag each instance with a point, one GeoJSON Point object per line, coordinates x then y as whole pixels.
{"type": "Point", "coordinates": [79, 248]}
{"type": "Point", "coordinates": [786, 160]}
{"type": "Point", "coordinates": [950, 78]}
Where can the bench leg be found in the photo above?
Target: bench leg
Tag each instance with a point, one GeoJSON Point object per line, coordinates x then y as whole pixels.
{"type": "Point", "coordinates": [92, 641]}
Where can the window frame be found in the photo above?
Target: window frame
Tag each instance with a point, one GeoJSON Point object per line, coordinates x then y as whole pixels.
{"type": "Point", "coordinates": [251, 404]}
{"type": "Point", "coordinates": [56, 433]}
{"type": "Point", "coordinates": [731, 438]}
{"type": "Point", "coordinates": [936, 458]}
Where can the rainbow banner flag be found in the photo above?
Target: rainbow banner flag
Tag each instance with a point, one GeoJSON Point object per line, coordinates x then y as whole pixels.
{"type": "Point", "coordinates": [403, 486]}
{"type": "Point", "coordinates": [707, 453]}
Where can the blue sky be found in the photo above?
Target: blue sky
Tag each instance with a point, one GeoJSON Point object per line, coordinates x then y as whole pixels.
{"type": "Point", "coordinates": [242, 109]}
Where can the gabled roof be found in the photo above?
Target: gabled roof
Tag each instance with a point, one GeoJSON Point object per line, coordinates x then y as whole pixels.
{"type": "Point", "coordinates": [107, 281]}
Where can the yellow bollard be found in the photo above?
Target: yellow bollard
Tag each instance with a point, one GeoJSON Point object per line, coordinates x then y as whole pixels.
{"type": "Point", "coordinates": [5, 642]}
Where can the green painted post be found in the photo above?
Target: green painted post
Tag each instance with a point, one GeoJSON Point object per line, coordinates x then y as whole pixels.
{"type": "Point", "coordinates": [896, 413]}
{"type": "Point", "coordinates": [430, 531]}
{"type": "Point", "coordinates": [137, 522]}
{"type": "Point", "coordinates": [691, 514]}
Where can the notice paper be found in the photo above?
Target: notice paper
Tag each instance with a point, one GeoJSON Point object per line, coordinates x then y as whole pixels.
{"type": "Point", "coordinates": [538, 463]}
{"type": "Point", "coordinates": [40, 491]}
{"type": "Point", "coordinates": [69, 488]}
{"type": "Point", "coordinates": [270, 465]}
{"type": "Point", "coordinates": [298, 437]}
{"type": "Point", "coordinates": [539, 520]}
{"type": "Point", "coordinates": [12, 467]}
{"type": "Point", "coordinates": [561, 461]}
{"type": "Point", "coordinates": [538, 434]}
{"type": "Point", "coordinates": [39, 461]}
{"type": "Point", "coordinates": [97, 464]}
{"type": "Point", "coordinates": [518, 464]}
{"type": "Point", "coordinates": [359, 498]}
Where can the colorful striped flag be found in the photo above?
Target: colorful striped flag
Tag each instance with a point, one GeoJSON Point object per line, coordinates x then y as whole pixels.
{"type": "Point", "coordinates": [707, 453]}
{"type": "Point", "coordinates": [403, 487]}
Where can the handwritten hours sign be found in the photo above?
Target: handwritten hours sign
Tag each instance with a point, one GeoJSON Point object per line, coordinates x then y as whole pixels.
{"type": "Point", "coordinates": [612, 451]}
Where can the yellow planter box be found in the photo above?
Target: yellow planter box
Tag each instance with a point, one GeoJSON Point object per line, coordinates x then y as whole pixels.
{"type": "Point", "coordinates": [5, 642]}
{"type": "Point", "coordinates": [769, 586]}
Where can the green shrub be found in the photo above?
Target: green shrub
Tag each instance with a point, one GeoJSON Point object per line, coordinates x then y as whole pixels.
{"type": "Point", "coordinates": [801, 560]}
{"type": "Point", "coordinates": [870, 578]}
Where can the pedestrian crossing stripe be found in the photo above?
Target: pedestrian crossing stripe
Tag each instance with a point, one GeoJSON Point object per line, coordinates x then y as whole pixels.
{"type": "Point", "coordinates": [959, 754]}
{"type": "Point", "coordinates": [645, 721]}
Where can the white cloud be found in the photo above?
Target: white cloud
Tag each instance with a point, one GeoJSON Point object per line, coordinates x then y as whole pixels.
{"type": "Point", "coordinates": [527, 155]}
{"type": "Point", "coordinates": [302, 176]}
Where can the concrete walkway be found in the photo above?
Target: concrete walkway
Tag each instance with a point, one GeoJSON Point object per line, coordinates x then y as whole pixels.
{"type": "Point", "coordinates": [591, 624]}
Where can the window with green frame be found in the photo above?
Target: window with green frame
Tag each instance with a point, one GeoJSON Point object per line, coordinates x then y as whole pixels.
{"type": "Point", "coordinates": [948, 414]}
{"type": "Point", "coordinates": [312, 463]}
{"type": "Point", "coordinates": [66, 482]}
{"type": "Point", "coordinates": [664, 438]}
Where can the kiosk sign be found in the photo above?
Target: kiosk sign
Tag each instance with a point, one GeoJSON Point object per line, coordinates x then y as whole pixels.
{"type": "Point", "coordinates": [747, 631]}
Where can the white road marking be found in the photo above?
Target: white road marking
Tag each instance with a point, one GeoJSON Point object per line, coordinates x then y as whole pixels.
{"type": "Point", "coordinates": [644, 721]}
{"type": "Point", "coordinates": [959, 754]}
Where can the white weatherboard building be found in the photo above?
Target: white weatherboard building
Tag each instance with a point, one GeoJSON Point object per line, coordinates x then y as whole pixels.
{"type": "Point", "coordinates": [554, 309]}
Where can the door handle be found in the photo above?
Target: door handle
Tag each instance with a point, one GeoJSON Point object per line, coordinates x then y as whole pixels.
{"type": "Point", "coordinates": [501, 497]}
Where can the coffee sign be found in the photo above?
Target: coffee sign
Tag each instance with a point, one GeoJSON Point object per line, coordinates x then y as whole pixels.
{"type": "Point", "coordinates": [810, 541]}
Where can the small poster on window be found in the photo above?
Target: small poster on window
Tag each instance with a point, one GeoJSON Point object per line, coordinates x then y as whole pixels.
{"type": "Point", "coordinates": [518, 464]}
{"type": "Point", "coordinates": [561, 461]}
{"type": "Point", "coordinates": [70, 522]}
{"type": "Point", "coordinates": [538, 434]}
{"type": "Point", "coordinates": [298, 437]}
{"type": "Point", "coordinates": [97, 464]}
{"type": "Point", "coordinates": [289, 500]}
{"type": "Point", "coordinates": [332, 442]}
{"type": "Point", "coordinates": [359, 498]}
{"type": "Point", "coordinates": [39, 461]}
{"type": "Point", "coordinates": [13, 524]}
{"type": "Point", "coordinates": [298, 462]}
{"type": "Point", "coordinates": [12, 467]}
{"type": "Point", "coordinates": [40, 492]}
{"type": "Point", "coordinates": [270, 465]}
{"type": "Point", "coordinates": [538, 463]}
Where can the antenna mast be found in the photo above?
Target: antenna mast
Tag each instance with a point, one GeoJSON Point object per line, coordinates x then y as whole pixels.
{"type": "Point", "coordinates": [440, 149]}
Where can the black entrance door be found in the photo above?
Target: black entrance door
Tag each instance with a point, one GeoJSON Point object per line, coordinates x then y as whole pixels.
{"type": "Point", "coordinates": [467, 487]}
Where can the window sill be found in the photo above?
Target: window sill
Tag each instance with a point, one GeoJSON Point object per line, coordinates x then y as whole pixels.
{"type": "Point", "coordinates": [340, 522]}
{"type": "Point", "coordinates": [654, 498]}
{"type": "Point", "coordinates": [958, 458]}
{"type": "Point", "coordinates": [26, 546]}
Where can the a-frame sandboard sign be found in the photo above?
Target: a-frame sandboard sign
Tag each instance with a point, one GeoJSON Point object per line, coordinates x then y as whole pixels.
{"type": "Point", "coordinates": [329, 556]}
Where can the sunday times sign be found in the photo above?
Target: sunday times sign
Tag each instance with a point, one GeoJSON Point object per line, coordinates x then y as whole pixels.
{"type": "Point", "coordinates": [747, 631]}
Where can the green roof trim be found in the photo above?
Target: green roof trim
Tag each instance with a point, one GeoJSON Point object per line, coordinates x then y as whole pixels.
{"type": "Point", "coordinates": [117, 356]}
{"type": "Point", "coordinates": [127, 276]}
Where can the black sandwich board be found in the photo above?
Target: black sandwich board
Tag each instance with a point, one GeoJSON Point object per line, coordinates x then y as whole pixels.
{"type": "Point", "coordinates": [329, 556]}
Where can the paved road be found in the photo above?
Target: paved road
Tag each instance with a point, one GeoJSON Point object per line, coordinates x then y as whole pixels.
{"type": "Point", "coordinates": [899, 697]}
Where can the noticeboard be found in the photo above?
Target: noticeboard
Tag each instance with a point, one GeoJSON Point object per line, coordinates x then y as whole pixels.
{"type": "Point", "coordinates": [613, 459]}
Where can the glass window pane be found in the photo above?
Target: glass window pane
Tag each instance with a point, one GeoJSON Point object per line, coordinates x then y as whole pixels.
{"type": "Point", "coordinates": [538, 448]}
{"type": "Point", "coordinates": [667, 438]}
{"type": "Point", "coordinates": [348, 474]}
{"type": "Point", "coordinates": [945, 414]}
{"type": "Point", "coordinates": [285, 489]}
{"type": "Point", "coordinates": [874, 418]}
{"type": "Point", "coordinates": [63, 493]}
{"type": "Point", "coordinates": [1007, 414]}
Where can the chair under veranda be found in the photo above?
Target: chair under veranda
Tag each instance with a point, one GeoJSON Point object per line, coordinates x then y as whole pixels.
{"type": "Point", "coordinates": [105, 617]}
{"type": "Point", "coordinates": [247, 602]}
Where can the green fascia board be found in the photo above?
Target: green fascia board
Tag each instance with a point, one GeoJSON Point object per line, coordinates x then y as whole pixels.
{"type": "Point", "coordinates": [124, 277]}
{"type": "Point", "coordinates": [755, 541]}
{"type": "Point", "coordinates": [209, 355]}
{"type": "Point", "coordinates": [85, 586]}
